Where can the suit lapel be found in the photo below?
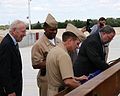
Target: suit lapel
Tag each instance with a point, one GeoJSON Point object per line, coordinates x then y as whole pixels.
{"type": "Point", "coordinates": [17, 52]}
{"type": "Point", "coordinates": [101, 47]}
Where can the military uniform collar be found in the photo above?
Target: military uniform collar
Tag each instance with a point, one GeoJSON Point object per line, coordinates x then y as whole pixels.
{"type": "Point", "coordinates": [48, 42]}
{"type": "Point", "coordinates": [62, 46]}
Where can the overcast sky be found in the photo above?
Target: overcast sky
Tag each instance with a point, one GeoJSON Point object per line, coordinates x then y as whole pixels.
{"type": "Point", "coordinates": [60, 9]}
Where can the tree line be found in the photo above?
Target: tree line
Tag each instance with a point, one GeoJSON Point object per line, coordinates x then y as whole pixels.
{"type": "Point", "coordinates": [114, 22]}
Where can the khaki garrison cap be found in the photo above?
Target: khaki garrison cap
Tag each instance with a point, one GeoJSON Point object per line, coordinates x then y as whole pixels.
{"type": "Point", "coordinates": [50, 20]}
{"type": "Point", "coordinates": [1, 38]}
{"type": "Point", "coordinates": [76, 31]}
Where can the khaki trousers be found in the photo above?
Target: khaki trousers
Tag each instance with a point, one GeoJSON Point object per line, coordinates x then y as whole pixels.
{"type": "Point", "coordinates": [42, 84]}
{"type": "Point", "coordinates": [52, 91]}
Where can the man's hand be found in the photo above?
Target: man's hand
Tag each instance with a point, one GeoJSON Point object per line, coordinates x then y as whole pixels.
{"type": "Point", "coordinates": [81, 78]}
{"type": "Point", "coordinates": [12, 94]}
{"type": "Point", "coordinates": [83, 29]}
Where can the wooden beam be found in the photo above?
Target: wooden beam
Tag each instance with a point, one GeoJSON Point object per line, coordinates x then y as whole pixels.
{"type": "Point", "coordinates": [107, 77]}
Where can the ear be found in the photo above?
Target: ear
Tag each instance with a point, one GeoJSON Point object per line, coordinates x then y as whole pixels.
{"type": "Point", "coordinates": [14, 31]}
{"type": "Point", "coordinates": [103, 33]}
{"type": "Point", "coordinates": [69, 41]}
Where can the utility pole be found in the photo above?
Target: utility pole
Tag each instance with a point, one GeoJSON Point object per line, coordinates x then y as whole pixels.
{"type": "Point", "coordinates": [29, 15]}
{"type": "Point", "coordinates": [29, 21]}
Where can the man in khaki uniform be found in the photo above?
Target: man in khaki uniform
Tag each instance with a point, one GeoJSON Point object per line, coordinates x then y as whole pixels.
{"type": "Point", "coordinates": [1, 38]}
{"type": "Point", "coordinates": [41, 49]}
{"type": "Point", "coordinates": [58, 63]}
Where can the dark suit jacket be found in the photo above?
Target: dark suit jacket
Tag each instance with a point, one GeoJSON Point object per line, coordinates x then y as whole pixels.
{"type": "Point", "coordinates": [90, 57]}
{"type": "Point", "coordinates": [10, 67]}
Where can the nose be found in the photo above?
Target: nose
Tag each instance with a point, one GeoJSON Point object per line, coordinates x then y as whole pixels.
{"type": "Point", "coordinates": [111, 37]}
{"type": "Point", "coordinates": [24, 34]}
{"type": "Point", "coordinates": [55, 31]}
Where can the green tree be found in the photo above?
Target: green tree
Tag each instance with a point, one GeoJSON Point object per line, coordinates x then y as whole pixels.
{"type": "Point", "coordinates": [36, 25]}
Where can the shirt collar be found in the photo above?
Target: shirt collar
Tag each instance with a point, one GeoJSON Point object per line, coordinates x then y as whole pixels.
{"type": "Point", "coordinates": [52, 41]}
{"type": "Point", "coordinates": [100, 36]}
{"type": "Point", "coordinates": [62, 45]}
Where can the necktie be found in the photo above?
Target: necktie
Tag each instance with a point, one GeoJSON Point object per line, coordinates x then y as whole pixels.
{"type": "Point", "coordinates": [17, 49]}
{"type": "Point", "coordinates": [17, 46]}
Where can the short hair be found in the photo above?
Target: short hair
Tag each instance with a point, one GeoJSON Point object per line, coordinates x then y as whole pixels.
{"type": "Point", "coordinates": [15, 24]}
{"type": "Point", "coordinates": [102, 19]}
{"type": "Point", "coordinates": [67, 35]}
{"type": "Point", "coordinates": [107, 29]}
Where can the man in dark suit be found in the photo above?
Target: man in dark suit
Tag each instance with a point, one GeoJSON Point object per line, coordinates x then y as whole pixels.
{"type": "Point", "coordinates": [10, 60]}
{"type": "Point", "coordinates": [91, 56]}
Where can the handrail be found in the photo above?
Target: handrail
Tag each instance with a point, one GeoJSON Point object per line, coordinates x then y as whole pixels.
{"type": "Point", "coordinates": [106, 83]}
{"type": "Point", "coordinates": [113, 62]}
{"type": "Point", "coordinates": [113, 71]}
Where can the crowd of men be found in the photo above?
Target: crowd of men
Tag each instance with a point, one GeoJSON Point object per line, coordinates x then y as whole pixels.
{"type": "Point", "coordinates": [62, 63]}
